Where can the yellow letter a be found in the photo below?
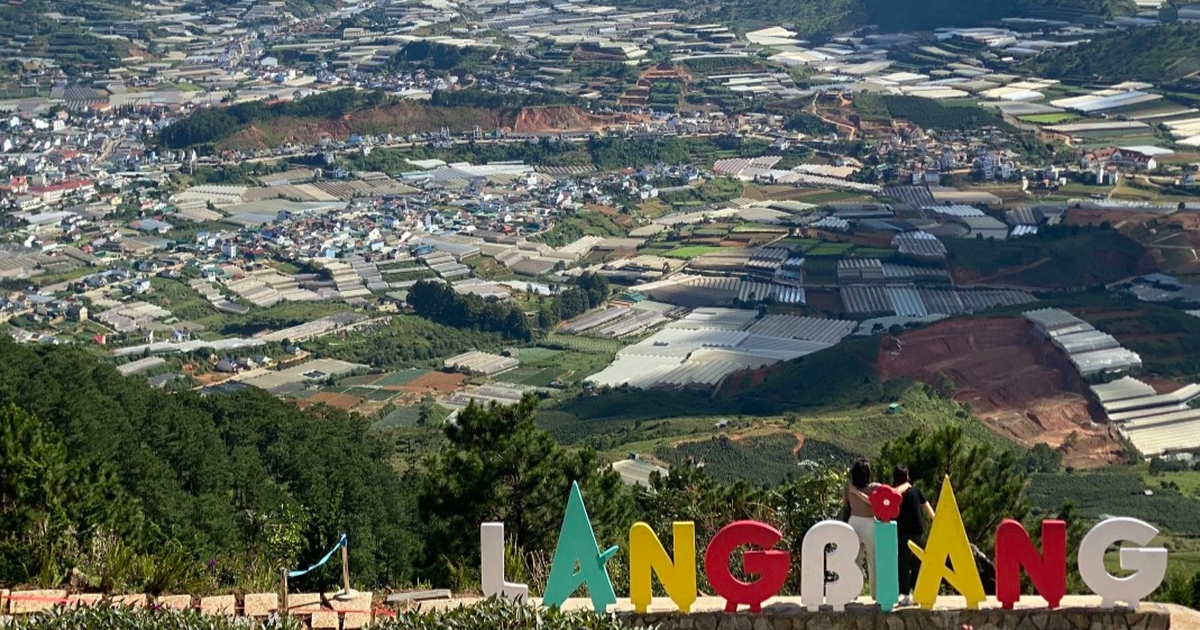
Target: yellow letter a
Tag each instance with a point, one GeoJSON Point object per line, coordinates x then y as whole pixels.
{"type": "Point", "coordinates": [947, 539]}
{"type": "Point", "coordinates": [646, 553]}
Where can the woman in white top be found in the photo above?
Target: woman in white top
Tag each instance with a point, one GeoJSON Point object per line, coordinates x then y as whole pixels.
{"type": "Point", "coordinates": [862, 518]}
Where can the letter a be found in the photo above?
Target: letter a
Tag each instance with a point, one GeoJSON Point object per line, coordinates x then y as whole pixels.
{"type": "Point", "coordinates": [1048, 572]}
{"type": "Point", "coordinates": [577, 545]}
{"type": "Point", "coordinates": [947, 539]}
{"type": "Point", "coordinates": [491, 570]}
{"type": "Point", "coordinates": [646, 554]}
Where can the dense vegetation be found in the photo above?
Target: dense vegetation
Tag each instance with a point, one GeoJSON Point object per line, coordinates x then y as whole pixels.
{"type": "Point", "coordinates": [1057, 257]}
{"type": "Point", "coordinates": [404, 342]}
{"type": "Point", "coordinates": [210, 125]}
{"type": "Point", "coordinates": [1167, 338]}
{"type": "Point", "coordinates": [498, 466]}
{"type": "Point", "coordinates": [139, 488]}
{"type": "Point", "coordinates": [486, 615]}
{"type": "Point", "coordinates": [760, 461]}
{"type": "Point", "coordinates": [924, 15]}
{"type": "Point", "coordinates": [1159, 53]}
{"type": "Point", "coordinates": [822, 20]}
{"type": "Point", "coordinates": [441, 303]}
{"type": "Point", "coordinates": [546, 152]}
{"type": "Point", "coordinates": [125, 618]}
{"type": "Point", "coordinates": [808, 124]}
{"type": "Point", "coordinates": [570, 228]}
{"type": "Point", "coordinates": [924, 112]}
{"type": "Point", "coordinates": [604, 153]}
{"type": "Point", "coordinates": [136, 488]}
{"type": "Point", "coordinates": [437, 56]}
{"type": "Point", "coordinates": [1106, 492]}
{"type": "Point", "coordinates": [841, 376]}
{"type": "Point", "coordinates": [610, 153]}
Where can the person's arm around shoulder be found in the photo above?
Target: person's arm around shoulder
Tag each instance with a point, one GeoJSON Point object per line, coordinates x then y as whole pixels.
{"type": "Point", "coordinates": [859, 494]}
{"type": "Point", "coordinates": [925, 507]}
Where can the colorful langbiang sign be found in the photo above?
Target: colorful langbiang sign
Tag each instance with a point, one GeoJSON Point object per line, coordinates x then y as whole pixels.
{"type": "Point", "coordinates": [833, 546]}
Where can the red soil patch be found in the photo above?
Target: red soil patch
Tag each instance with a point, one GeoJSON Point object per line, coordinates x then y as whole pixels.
{"type": "Point", "coordinates": [341, 401]}
{"type": "Point", "coordinates": [400, 118]}
{"type": "Point", "coordinates": [1017, 383]}
{"type": "Point", "coordinates": [567, 118]}
{"type": "Point", "coordinates": [735, 383]}
{"type": "Point", "coordinates": [1161, 385]}
{"type": "Point", "coordinates": [433, 383]}
{"type": "Point", "coordinates": [212, 378]}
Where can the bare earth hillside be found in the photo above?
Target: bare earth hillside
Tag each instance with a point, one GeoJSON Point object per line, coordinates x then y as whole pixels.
{"type": "Point", "coordinates": [1016, 382]}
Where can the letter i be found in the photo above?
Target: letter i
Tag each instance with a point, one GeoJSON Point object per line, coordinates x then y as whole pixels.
{"type": "Point", "coordinates": [887, 570]}
{"type": "Point", "coordinates": [885, 503]}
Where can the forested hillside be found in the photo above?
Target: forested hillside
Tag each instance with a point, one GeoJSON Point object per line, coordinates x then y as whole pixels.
{"type": "Point", "coordinates": [821, 20]}
{"type": "Point", "coordinates": [244, 482]}
{"type": "Point", "coordinates": [116, 486]}
{"type": "Point", "coordinates": [341, 113]}
{"type": "Point", "coordinates": [1160, 53]}
{"type": "Point", "coordinates": [925, 15]}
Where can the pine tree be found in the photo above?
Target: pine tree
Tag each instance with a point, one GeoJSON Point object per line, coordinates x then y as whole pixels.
{"type": "Point", "coordinates": [498, 466]}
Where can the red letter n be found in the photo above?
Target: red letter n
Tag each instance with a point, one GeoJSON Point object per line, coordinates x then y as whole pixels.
{"type": "Point", "coordinates": [1048, 572]}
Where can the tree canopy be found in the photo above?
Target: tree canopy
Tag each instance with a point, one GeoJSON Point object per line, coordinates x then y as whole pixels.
{"type": "Point", "coordinates": [140, 488]}
{"type": "Point", "coordinates": [244, 480]}
{"type": "Point", "coordinates": [498, 466]}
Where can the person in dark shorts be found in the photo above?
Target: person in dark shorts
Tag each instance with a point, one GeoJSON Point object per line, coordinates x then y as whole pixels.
{"type": "Point", "coordinates": [909, 526]}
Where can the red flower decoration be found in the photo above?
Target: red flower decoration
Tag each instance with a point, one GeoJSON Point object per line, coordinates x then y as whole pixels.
{"type": "Point", "coordinates": [885, 502]}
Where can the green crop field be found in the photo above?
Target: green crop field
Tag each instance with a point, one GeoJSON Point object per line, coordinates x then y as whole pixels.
{"type": "Point", "coordinates": [401, 377]}
{"type": "Point", "coordinates": [582, 344]}
{"type": "Point", "coordinates": [1118, 492]}
{"type": "Point", "coordinates": [830, 249]}
{"type": "Point", "coordinates": [363, 380]}
{"type": "Point", "coordinates": [689, 252]}
{"type": "Point", "coordinates": [759, 461]}
{"type": "Point", "coordinates": [534, 377]}
{"type": "Point", "coordinates": [1054, 118]}
{"type": "Point", "coordinates": [799, 245]}
{"type": "Point", "coordinates": [874, 252]}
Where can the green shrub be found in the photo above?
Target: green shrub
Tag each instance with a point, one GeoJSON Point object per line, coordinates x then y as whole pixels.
{"type": "Point", "coordinates": [500, 614]}
{"type": "Point", "coordinates": [488, 615]}
{"type": "Point", "coordinates": [121, 618]}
